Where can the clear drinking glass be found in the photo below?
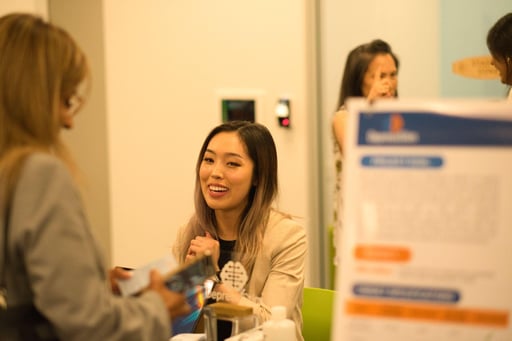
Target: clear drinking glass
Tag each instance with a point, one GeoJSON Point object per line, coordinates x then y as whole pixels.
{"type": "Point", "coordinates": [241, 318]}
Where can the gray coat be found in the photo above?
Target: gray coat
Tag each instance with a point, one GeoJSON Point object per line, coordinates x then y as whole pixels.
{"type": "Point", "coordinates": [55, 263]}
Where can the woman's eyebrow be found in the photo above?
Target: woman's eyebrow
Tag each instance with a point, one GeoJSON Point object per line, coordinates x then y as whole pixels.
{"type": "Point", "coordinates": [227, 154]}
{"type": "Point", "coordinates": [235, 155]}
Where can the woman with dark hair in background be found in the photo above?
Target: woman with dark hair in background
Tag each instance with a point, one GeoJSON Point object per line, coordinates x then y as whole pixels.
{"type": "Point", "coordinates": [371, 71]}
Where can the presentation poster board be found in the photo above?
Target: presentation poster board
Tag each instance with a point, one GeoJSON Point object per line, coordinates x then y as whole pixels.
{"type": "Point", "coordinates": [427, 233]}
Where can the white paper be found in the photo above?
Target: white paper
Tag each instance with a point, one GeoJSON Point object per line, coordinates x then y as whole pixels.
{"type": "Point", "coordinates": [140, 276]}
{"type": "Point", "coordinates": [427, 239]}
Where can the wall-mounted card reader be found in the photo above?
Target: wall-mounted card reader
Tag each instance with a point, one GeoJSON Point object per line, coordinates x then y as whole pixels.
{"type": "Point", "coordinates": [283, 112]}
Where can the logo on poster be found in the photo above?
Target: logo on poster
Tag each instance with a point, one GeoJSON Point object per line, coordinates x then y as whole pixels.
{"type": "Point", "coordinates": [393, 132]}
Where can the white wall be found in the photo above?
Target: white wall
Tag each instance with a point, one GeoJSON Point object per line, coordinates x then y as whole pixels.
{"type": "Point", "coordinates": [165, 61]}
{"type": "Point", "coordinates": [157, 67]}
{"type": "Point", "coordinates": [39, 7]}
{"type": "Point", "coordinates": [88, 139]}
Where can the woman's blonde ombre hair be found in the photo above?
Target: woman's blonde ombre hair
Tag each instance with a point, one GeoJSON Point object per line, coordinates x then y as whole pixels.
{"type": "Point", "coordinates": [261, 148]}
{"type": "Point", "coordinates": [41, 67]}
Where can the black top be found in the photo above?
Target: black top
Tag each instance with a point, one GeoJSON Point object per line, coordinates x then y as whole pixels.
{"type": "Point", "coordinates": [226, 252]}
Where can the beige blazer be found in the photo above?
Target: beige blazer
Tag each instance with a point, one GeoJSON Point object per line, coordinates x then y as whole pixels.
{"type": "Point", "coordinates": [277, 277]}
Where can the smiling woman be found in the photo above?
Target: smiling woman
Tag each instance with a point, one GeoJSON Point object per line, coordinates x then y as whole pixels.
{"type": "Point", "coordinates": [226, 177]}
{"type": "Point", "coordinates": [236, 184]}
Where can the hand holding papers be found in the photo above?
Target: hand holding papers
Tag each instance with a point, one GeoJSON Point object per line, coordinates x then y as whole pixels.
{"type": "Point", "coordinates": [178, 278]}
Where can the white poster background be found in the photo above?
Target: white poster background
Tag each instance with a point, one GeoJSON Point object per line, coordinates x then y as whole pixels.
{"type": "Point", "coordinates": [426, 251]}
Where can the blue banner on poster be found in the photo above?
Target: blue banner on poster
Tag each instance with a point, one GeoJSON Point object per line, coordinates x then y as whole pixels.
{"type": "Point", "coordinates": [431, 129]}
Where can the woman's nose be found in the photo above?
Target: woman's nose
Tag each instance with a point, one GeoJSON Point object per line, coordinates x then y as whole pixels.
{"type": "Point", "coordinates": [216, 172]}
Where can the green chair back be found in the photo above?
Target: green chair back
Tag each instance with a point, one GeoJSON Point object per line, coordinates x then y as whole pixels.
{"type": "Point", "coordinates": [317, 311]}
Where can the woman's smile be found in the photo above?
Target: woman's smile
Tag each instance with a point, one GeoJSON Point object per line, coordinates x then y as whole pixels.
{"type": "Point", "coordinates": [217, 191]}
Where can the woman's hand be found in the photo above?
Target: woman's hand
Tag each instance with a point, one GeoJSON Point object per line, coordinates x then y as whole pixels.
{"type": "Point", "coordinates": [381, 86]}
{"type": "Point", "coordinates": [199, 245]}
{"type": "Point", "coordinates": [175, 303]}
{"type": "Point", "coordinates": [116, 274]}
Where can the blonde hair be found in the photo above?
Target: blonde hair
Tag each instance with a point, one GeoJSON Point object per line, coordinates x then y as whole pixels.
{"type": "Point", "coordinates": [41, 68]}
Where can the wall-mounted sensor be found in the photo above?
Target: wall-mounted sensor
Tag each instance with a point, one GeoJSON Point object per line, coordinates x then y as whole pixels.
{"type": "Point", "coordinates": [283, 112]}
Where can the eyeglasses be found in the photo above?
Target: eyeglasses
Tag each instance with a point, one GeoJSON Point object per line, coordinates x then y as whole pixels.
{"type": "Point", "coordinates": [73, 104]}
